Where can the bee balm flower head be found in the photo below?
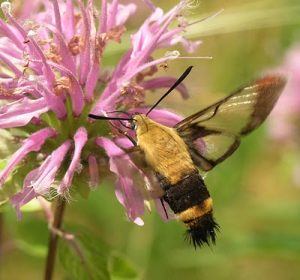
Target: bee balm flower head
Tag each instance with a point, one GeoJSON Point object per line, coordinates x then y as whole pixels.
{"type": "Point", "coordinates": [53, 76]}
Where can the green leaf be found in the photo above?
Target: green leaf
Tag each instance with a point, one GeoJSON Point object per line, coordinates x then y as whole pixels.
{"type": "Point", "coordinates": [31, 235]}
{"type": "Point", "coordinates": [34, 250]}
{"type": "Point", "coordinates": [33, 230]}
{"type": "Point", "coordinates": [121, 268]}
{"type": "Point", "coordinates": [84, 259]}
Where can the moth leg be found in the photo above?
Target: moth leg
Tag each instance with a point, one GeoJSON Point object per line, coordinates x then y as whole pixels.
{"type": "Point", "coordinates": [163, 205]}
{"type": "Point", "coordinates": [129, 137]}
{"type": "Point", "coordinates": [125, 134]}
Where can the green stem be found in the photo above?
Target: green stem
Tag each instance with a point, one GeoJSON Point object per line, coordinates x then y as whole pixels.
{"type": "Point", "coordinates": [52, 245]}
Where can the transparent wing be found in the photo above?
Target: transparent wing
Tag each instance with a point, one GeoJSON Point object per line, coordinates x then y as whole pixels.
{"type": "Point", "coordinates": [214, 133]}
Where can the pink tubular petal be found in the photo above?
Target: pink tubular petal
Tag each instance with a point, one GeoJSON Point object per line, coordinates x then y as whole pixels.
{"type": "Point", "coordinates": [144, 42]}
{"type": "Point", "coordinates": [112, 85]}
{"type": "Point", "coordinates": [10, 50]}
{"type": "Point", "coordinates": [165, 82]}
{"type": "Point", "coordinates": [283, 124]}
{"type": "Point", "coordinates": [32, 143]}
{"type": "Point", "coordinates": [80, 139]}
{"type": "Point", "coordinates": [189, 46]}
{"type": "Point", "coordinates": [112, 14]}
{"type": "Point", "coordinates": [23, 34]}
{"type": "Point", "coordinates": [54, 102]}
{"type": "Point", "coordinates": [161, 116]}
{"type": "Point", "coordinates": [76, 93]}
{"type": "Point", "coordinates": [21, 198]}
{"type": "Point", "coordinates": [123, 142]}
{"type": "Point", "coordinates": [173, 37]}
{"type": "Point", "coordinates": [123, 13]}
{"type": "Point", "coordinates": [10, 63]}
{"type": "Point", "coordinates": [28, 9]}
{"type": "Point", "coordinates": [150, 4]}
{"type": "Point", "coordinates": [85, 55]}
{"type": "Point", "coordinates": [69, 20]}
{"type": "Point", "coordinates": [57, 15]}
{"type": "Point", "coordinates": [109, 98]}
{"type": "Point", "coordinates": [42, 177]}
{"type": "Point", "coordinates": [20, 112]}
{"type": "Point", "coordinates": [47, 71]}
{"type": "Point", "coordinates": [103, 17]}
{"type": "Point", "coordinates": [94, 71]}
{"type": "Point", "coordinates": [6, 30]}
{"type": "Point", "coordinates": [91, 81]}
{"type": "Point", "coordinates": [67, 60]}
{"type": "Point", "coordinates": [134, 71]}
{"type": "Point", "coordinates": [94, 171]}
{"type": "Point", "coordinates": [122, 166]}
{"type": "Point", "coordinates": [147, 45]}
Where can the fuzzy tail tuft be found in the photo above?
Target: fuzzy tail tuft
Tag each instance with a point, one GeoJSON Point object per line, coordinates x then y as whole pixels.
{"type": "Point", "coordinates": [202, 230]}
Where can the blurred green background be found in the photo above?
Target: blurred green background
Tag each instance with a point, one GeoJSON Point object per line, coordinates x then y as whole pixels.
{"type": "Point", "coordinates": [256, 202]}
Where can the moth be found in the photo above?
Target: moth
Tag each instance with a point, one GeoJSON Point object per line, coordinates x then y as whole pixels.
{"type": "Point", "coordinates": [200, 141]}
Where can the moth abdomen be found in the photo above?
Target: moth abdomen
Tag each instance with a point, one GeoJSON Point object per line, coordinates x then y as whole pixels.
{"type": "Point", "coordinates": [192, 204]}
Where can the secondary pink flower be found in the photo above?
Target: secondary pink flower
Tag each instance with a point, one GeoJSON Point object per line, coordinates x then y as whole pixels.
{"type": "Point", "coordinates": [284, 125]}
{"type": "Point", "coordinates": [55, 76]}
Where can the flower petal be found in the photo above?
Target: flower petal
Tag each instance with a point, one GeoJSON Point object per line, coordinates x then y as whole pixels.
{"type": "Point", "coordinates": [85, 54]}
{"type": "Point", "coordinates": [94, 171]}
{"type": "Point", "coordinates": [42, 177]}
{"type": "Point", "coordinates": [114, 14]}
{"type": "Point", "coordinates": [20, 112]}
{"type": "Point", "coordinates": [22, 198]}
{"type": "Point", "coordinates": [76, 90]}
{"type": "Point", "coordinates": [165, 82]}
{"type": "Point", "coordinates": [69, 20]}
{"type": "Point", "coordinates": [80, 139]}
{"type": "Point", "coordinates": [32, 143]}
{"type": "Point", "coordinates": [153, 32]}
{"type": "Point", "coordinates": [11, 63]}
{"type": "Point", "coordinates": [122, 14]}
{"type": "Point", "coordinates": [122, 166]}
{"type": "Point", "coordinates": [57, 15]}
{"type": "Point", "coordinates": [10, 33]}
{"type": "Point", "coordinates": [162, 116]}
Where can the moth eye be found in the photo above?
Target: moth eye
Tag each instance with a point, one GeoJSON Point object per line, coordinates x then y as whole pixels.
{"type": "Point", "coordinates": [134, 125]}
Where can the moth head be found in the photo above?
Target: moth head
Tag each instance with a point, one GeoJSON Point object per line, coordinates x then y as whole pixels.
{"type": "Point", "coordinates": [140, 123]}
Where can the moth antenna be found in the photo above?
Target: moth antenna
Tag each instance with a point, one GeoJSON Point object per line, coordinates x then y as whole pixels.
{"type": "Point", "coordinates": [179, 80]}
{"type": "Point", "coordinates": [118, 119]}
{"type": "Point", "coordinates": [96, 117]}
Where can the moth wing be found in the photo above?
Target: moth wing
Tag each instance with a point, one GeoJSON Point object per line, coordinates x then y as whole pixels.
{"type": "Point", "coordinates": [214, 133]}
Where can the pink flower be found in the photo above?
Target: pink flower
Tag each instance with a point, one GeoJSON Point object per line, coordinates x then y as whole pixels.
{"type": "Point", "coordinates": [284, 125]}
{"type": "Point", "coordinates": [54, 77]}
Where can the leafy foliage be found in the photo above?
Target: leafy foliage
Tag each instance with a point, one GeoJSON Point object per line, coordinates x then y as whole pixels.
{"type": "Point", "coordinates": [87, 257]}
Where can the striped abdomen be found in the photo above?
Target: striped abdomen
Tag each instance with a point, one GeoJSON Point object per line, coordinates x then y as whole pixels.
{"type": "Point", "coordinates": [192, 204]}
